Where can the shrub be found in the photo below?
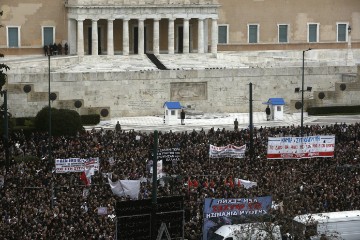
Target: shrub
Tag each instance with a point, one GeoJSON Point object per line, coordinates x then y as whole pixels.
{"type": "Point", "coordinates": [332, 110]}
{"type": "Point", "coordinates": [91, 119]}
{"type": "Point", "coordinates": [63, 121]}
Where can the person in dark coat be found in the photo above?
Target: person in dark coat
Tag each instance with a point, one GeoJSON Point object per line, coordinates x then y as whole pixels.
{"type": "Point", "coordinates": [66, 48]}
{"type": "Point", "coordinates": [182, 116]}
{"type": "Point", "coordinates": [46, 50]}
{"type": "Point", "coordinates": [236, 124]}
{"type": "Point", "coordinates": [55, 49]}
{"type": "Point", "coordinates": [117, 127]}
{"type": "Point", "coordinates": [59, 47]}
{"type": "Point", "coordinates": [268, 112]}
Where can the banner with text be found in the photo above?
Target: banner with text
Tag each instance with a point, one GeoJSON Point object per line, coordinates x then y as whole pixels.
{"type": "Point", "coordinates": [229, 151]}
{"type": "Point", "coordinates": [218, 212]}
{"type": "Point", "coordinates": [75, 164]}
{"type": "Point", "coordinates": [169, 155]}
{"type": "Point", "coordinates": [300, 147]}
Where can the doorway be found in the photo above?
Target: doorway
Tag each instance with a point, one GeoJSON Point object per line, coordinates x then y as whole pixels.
{"type": "Point", "coordinates": [180, 39]}
{"type": "Point", "coordinates": [136, 40]}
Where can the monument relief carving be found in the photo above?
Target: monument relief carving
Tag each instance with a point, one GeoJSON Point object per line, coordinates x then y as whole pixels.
{"type": "Point", "coordinates": [188, 91]}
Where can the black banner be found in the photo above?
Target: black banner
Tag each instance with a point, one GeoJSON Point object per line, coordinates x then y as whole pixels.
{"type": "Point", "coordinates": [168, 155]}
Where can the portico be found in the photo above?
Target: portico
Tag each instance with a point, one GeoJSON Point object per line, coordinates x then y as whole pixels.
{"type": "Point", "coordinates": [142, 27]}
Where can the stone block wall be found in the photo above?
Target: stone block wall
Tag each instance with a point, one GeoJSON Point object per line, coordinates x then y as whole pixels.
{"type": "Point", "coordinates": [141, 93]}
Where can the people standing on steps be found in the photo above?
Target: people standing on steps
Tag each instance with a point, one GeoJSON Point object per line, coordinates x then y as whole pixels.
{"type": "Point", "coordinates": [182, 116]}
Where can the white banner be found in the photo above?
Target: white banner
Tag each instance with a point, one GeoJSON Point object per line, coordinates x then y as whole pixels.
{"type": "Point", "coordinates": [229, 151]}
{"type": "Point", "coordinates": [245, 183]}
{"type": "Point", "coordinates": [297, 147]}
{"type": "Point", "coordinates": [124, 188]}
{"type": "Point", "coordinates": [76, 164]}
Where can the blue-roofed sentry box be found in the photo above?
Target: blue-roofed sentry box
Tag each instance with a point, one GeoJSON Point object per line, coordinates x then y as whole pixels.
{"type": "Point", "coordinates": [277, 108]}
{"type": "Point", "coordinates": [171, 112]}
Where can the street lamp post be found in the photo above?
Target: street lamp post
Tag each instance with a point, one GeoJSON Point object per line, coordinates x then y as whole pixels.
{"type": "Point", "coordinates": [302, 93]}
{"type": "Point", "coordinates": [50, 150]}
{"type": "Point", "coordinates": [6, 129]}
{"type": "Point", "coordinates": [49, 113]}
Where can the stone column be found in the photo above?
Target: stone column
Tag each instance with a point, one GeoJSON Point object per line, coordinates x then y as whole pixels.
{"type": "Point", "coordinates": [156, 48]}
{"type": "Point", "coordinates": [206, 35]}
{"type": "Point", "coordinates": [186, 36]}
{"type": "Point", "coordinates": [110, 37]}
{"type": "Point", "coordinates": [141, 36]}
{"type": "Point", "coordinates": [94, 37]}
{"type": "Point", "coordinates": [71, 39]}
{"type": "Point", "coordinates": [201, 35]}
{"type": "Point", "coordinates": [126, 36]}
{"type": "Point", "coordinates": [171, 37]}
{"type": "Point", "coordinates": [214, 36]}
{"type": "Point", "coordinates": [80, 37]}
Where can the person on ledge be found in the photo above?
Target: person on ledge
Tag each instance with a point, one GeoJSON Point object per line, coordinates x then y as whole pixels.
{"type": "Point", "coordinates": [268, 112]}
{"type": "Point", "coordinates": [182, 116]}
{"type": "Point", "coordinates": [236, 124]}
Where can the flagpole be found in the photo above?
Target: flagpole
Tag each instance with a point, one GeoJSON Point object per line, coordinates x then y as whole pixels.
{"type": "Point", "coordinates": [154, 187]}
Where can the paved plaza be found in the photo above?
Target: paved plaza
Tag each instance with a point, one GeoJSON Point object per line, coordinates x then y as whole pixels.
{"type": "Point", "coordinates": [207, 121]}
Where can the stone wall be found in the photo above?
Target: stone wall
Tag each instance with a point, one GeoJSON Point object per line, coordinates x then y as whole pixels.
{"type": "Point", "coordinates": [142, 93]}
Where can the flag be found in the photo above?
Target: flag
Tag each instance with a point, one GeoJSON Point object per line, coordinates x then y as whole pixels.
{"type": "Point", "coordinates": [84, 179]}
{"type": "Point", "coordinates": [246, 183]}
{"type": "Point", "coordinates": [86, 175]}
{"type": "Point", "coordinates": [124, 188]}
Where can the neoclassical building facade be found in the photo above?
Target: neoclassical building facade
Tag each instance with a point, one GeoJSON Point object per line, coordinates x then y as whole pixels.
{"type": "Point", "coordinates": [111, 27]}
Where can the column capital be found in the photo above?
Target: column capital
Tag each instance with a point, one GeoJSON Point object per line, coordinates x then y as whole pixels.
{"type": "Point", "coordinates": [111, 19]}
{"type": "Point", "coordinates": [95, 19]}
{"type": "Point", "coordinates": [126, 19]}
{"type": "Point", "coordinates": [157, 19]}
{"type": "Point", "coordinates": [141, 19]}
{"type": "Point", "coordinates": [80, 19]}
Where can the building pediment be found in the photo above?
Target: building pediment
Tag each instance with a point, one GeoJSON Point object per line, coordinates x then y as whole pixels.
{"type": "Point", "coordinates": [109, 9]}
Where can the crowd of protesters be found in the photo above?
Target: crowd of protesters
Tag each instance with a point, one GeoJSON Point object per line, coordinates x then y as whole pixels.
{"type": "Point", "coordinates": [37, 203]}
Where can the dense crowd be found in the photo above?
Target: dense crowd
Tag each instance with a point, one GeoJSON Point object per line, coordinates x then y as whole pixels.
{"type": "Point", "coordinates": [37, 203]}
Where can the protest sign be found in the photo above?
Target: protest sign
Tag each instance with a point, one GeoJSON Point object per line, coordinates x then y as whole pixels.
{"type": "Point", "coordinates": [76, 164]}
{"type": "Point", "coordinates": [300, 147]}
{"type": "Point", "coordinates": [229, 151]}
{"type": "Point", "coordinates": [168, 155]}
{"type": "Point", "coordinates": [218, 212]}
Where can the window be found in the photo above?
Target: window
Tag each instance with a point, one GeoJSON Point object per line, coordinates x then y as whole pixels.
{"type": "Point", "coordinates": [48, 35]}
{"type": "Point", "coordinates": [283, 33]}
{"type": "Point", "coordinates": [13, 37]}
{"type": "Point", "coordinates": [313, 32]}
{"type": "Point", "coordinates": [253, 33]}
{"type": "Point", "coordinates": [223, 34]}
{"type": "Point", "coordinates": [342, 32]}
{"type": "Point", "coordinates": [173, 112]}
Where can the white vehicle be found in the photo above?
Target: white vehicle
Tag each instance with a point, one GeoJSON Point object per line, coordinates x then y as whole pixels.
{"type": "Point", "coordinates": [333, 225]}
{"type": "Point", "coordinates": [248, 231]}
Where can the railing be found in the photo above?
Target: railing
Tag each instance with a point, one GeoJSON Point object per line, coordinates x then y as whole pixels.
{"type": "Point", "coordinates": [135, 2]}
